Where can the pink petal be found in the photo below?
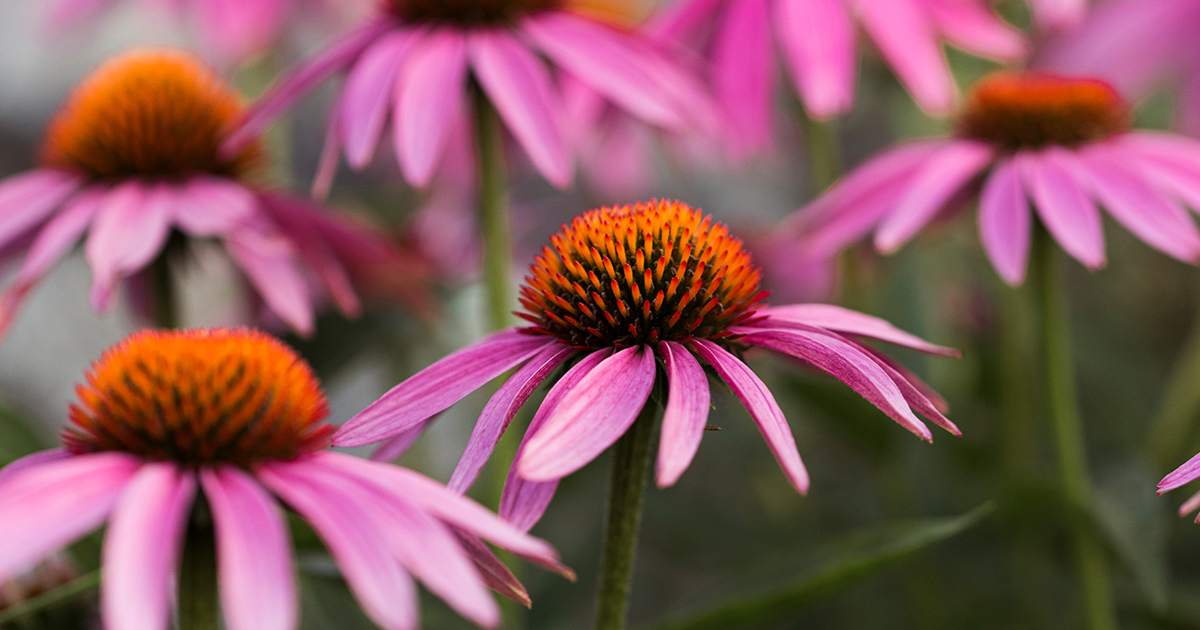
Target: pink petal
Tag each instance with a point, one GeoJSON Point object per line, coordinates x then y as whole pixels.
{"type": "Point", "coordinates": [743, 72]}
{"type": "Point", "coordinates": [1190, 505]}
{"type": "Point", "coordinates": [254, 554]}
{"type": "Point", "coordinates": [142, 547]}
{"type": "Point", "coordinates": [1053, 15]}
{"type": "Point", "coordinates": [1063, 205]}
{"type": "Point", "coordinates": [817, 38]}
{"type": "Point", "coordinates": [269, 261]}
{"type": "Point", "coordinates": [397, 445]}
{"type": "Point", "coordinates": [211, 206]}
{"type": "Point", "coordinates": [130, 229]}
{"type": "Point", "coordinates": [1175, 168]}
{"type": "Point", "coordinates": [236, 29]}
{"type": "Point", "coordinates": [922, 398]}
{"type": "Point", "coordinates": [29, 198]}
{"type": "Point", "coordinates": [493, 572]}
{"type": "Point", "coordinates": [298, 81]}
{"type": "Point", "coordinates": [429, 98]}
{"type": "Point", "coordinates": [943, 175]}
{"type": "Point", "coordinates": [519, 86]}
{"type": "Point", "coordinates": [523, 501]}
{"type": "Point", "coordinates": [45, 505]}
{"type": "Point", "coordinates": [844, 320]}
{"type": "Point", "coordinates": [331, 151]}
{"type": "Point", "coordinates": [762, 407]}
{"type": "Point", "coordinates": [500, 411]}
{"type": "Point", "coordinates": [31, 460]}
{"type": "Point", "coordinates": [685, 415]}
{"type": "Point", "coordinates": [1005, 222]}
{"type": "Point", "coordinates": [594, 415]}
{"type": "Point", "coordinates": [974, 26]}
{"type": "Point", "coordinates": [906, 39]}
{"type": "Point", "coordinates": [440, 385]}
{"type": "Point", "coordinates": [676, 20]}
{"type": "Point", "coordinates": [365, 100]}
{"type": "Point", "coordinates": [349, 527]}
{"type": "Point", "coordinates": [1183, 475]}
{"type": "Point", "coordinates": [309, 229]}
{"type": "Point", "coordinates": [1187, 108]}
{"type": "Point", "coordinates": [848, 364]}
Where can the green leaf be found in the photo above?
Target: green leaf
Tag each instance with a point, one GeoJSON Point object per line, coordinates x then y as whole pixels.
{"type": "Point", "coordinates": [51, 597]}
{"type": "Point", "coordinates": [854, 558]}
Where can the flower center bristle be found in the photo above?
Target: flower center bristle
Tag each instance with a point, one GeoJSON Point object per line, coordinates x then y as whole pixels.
{"type": "Point", "coordinates": [1035, 110]}
{"type": "Point", "coordinates": [467, 12]}
{"type": "Point", "coordinates": [618, 277]}
{"type": "Point", "coordinates": [200, 396]}
{"type": "Point", "coordinates": [148, 113]}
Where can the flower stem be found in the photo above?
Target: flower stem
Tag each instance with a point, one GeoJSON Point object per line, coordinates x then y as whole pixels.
{"type": "Point", "coordinates": [493, 213]}
{"type": "Point", "coordinates": [199, 604]}
{"type": "Point", "coordinates": [165, 303]}
{"type": "Point", "coordinates": [1068, 436]}
{"type": "Point", "coordinates": [631, 461]}
{"type": "Point", "coordinates": [824, 154]}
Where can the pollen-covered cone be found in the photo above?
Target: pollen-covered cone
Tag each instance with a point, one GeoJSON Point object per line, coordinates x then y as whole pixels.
{"type": "Point", "coordinates": [621, 297]}
{"type": "Point", "coordinates": [237, 415]}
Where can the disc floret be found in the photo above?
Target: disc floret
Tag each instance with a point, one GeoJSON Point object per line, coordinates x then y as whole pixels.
{"type": "Point", "coordinates": [467, 12]}
{"type": "Point", "coordinates": [199, 397]}
{"type": "Point", "coordinates": [639, 274]}
{"type": "Point", "coordinates": [1035, 110]}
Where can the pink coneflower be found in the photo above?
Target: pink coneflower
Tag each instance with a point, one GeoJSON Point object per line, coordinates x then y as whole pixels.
{"type": "Point", "coordinates": [237, 415]}
{"type": "Point", "coordinates": [620, 294]}
{"type": "Point", "coordinates": [817, 38]}
{"type": "Point", "coordinates": [131, 159]}
{"type": "Point", "coordinates": [1062, 143]}
{"type": "Point", "coordinates": [417, 58]}
{"type": "Point", "coordinates": [1185, 474]}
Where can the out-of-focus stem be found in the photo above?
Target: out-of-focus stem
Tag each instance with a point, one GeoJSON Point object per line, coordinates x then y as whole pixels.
{"type": "Point", "coordinates": [165, 299]}
{"type": "Point", "coordinates": [824, 153]}
{"type": "Point", "coordinates": [631, 461]}
{"type": "Point", "coordinates": [1068, 436]}
{"type": "Point", "coordinates": [493, 213]}
{"type": "Point", "coordinates": [199, 604]}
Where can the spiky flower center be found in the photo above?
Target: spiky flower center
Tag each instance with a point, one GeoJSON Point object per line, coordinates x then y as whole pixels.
{"type": "Point", "coordinates": [147, 113]}
{"type": "Point", "coordinates": [618, 277]}
{"type": "Point", "coordinates": [200, 396]}
{"type": "Point", "coordinates": [467, 12]}
{"type": "Point", "coordinates": [1033, 110]}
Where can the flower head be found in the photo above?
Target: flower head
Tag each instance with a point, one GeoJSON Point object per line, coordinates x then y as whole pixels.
{"type": "Point", "coordinates": [132, 157]}
{"type": "Point", "coordinates": [623, 297]}
{"type": "Point", "coordinates": [238, 414]}
{"type": "Point", "coordinates": [1063, 143]}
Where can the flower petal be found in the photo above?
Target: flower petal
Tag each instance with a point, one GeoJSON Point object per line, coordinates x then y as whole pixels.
{"type": "Point", "coordinates": [519, 86]}
{"type": "Point", "coordinates": [29, 198]}
{"type": "Point", "coordinates": [269, 261]}
{"type": "Point", "coordinates": [1063, 205]}
{"type": "Point", "coordinates": [254, 554]}
{"type": "Point", "coordinates": [363, 106]}
{"type": "Point", "coordinates": [130, 229]}
{"type": "Point", "coordinates": [920, 396]}
{"type": "Point", "coordinates": [210, 206]}
{"type": "Point", "coordinates": [493, 572]}
{"type": "Point", "coordinates": [33, 459]}
{"type": "Point", "coordinates": [1185, 474]}
{"type": "Point", "coordinates": [684, 418]}
{"type": "Point", "coordinates": [905, 37]}
{"type": "Point", "coordinates": [142, 547]}
{"type": "Point", "coordinates": [1005, 222]}
{"type": "Point", "coordinates": [975, 27]}
{"type": "Point", "coordinates": [429, 95]}
{"type": "Point", "coordinates": [743, 71]}
{"type": "Point", "coordinates": [762, 407]}
{"type": "Point", "coordinates": [817, 38]}
{"type": "Point", "coordinates": [500, 411]}
{"type": "Point", "coordinates": [440, 385]}
{"type": "Point", "coordinates": [844, 320]}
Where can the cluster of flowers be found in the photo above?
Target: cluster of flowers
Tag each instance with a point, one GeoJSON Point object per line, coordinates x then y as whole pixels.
{"type": "Point", "coordinates": [154, 152]}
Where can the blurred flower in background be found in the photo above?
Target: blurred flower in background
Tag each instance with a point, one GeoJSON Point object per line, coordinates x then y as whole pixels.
{"type": "Point", "coordinates": [617, 288]}
{"type": "Point", "coordinates": [238, 414]}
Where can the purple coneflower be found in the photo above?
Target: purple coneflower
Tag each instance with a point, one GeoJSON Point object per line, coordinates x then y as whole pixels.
{"type": "Point", "coordinates": [1064, 144]}
{"type": "Point", "coordinates": [131, 160]}
{"type": "Point", "coordinates": [622, 295]}
{"type": "Point", "coordinates": [1185, 474]}
{"type": "Point", "coordinates": [236, 416]}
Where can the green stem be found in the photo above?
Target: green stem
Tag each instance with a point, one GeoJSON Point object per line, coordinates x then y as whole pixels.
{"type": "Point", "coordinates": [824, 154]}
{"type": "Point", "coordinates": [631, 461]}
{"type": "Point", "coordinates": [199, 603]}
{"type": "Point", "coordinates": [1068, 436]}
{"type": "Point", "coordinates": [1014, 354]}
{"type": "Point", "coordinates": [1173, 427]}
{"type": "Point", "coordinates": [165, 305]}
{"type": "Point", "coordinates": [493, 213]}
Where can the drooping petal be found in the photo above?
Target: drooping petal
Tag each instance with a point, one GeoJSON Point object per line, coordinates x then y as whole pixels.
{"type": "Point", "coordinates": [920, 396]}
{"type": "Point", "coordinates": [1053, 15]}
{"type": "Point", "coordinates": [844, 320]}
{"type": "Point", "coordinates": [848, 364]}
{"type": "Point", "coordinates": [130, 228]}
{"type": "Point", "coordinates": [33, 459]}
{"type": "Point", "coordinates": [29, 198]}
{"type": "Point", "coordinates": [906, 39]}
{"type": "Point", "coordinates": [519, 86]}
{"type": "Point", "coordinates": [1183, 475]}
{"type": "Point", "coordinates": [367, 96]}
{"type": "Point", "coordinates": [523, 501]}
{"type": "Point", "coordinates": [762, 407]}
{"type": "Point", "coordinates": [440, 385]}
{"type": "Point", "coordinates": [817, 38]}
{"type": "Point", "coordinates": [429, 95]}
{"type": "Point", "coordinates": [1063, 205]}
{"type": "Point", "coordinates": [47, 505]}
{"type": "Point", "coordinates": [308, 229]}
{"type": "Point", "coordinates": [1005, 222]}
{"type": "Point", "coordinates": [593, 416]}
{"type": "Point", "coordinates": [254, 556]}
{"type": "Point", "coordinates": [1172, 167]}
{"type": "Point", "coordinates": [142, 547]}
{"type": "Point", "coordinates": [500, 411]}
{"type": "Point", "coordinates": [269, 261]}
{"type": "Point", "coordinates": [975, 27]}
{"type": "Point", "coordinates": [493, 572]}
{"type": "Point", "coordinates": [676, 20]}
{"type": "Point", "coordinates": [686, 413]}
{"type": "Point", "coordinates": [210, 206]}
{"type": "Point", "coordinates": [350, 530]}
{"type": "Point", "coordinates": [743, 68]}
{"type": "Point", "coordinates": [235, 29]}
{"type": "Point", "coordinates": [397, 445]}
{"type": "Point", "coordinates": [943, 175]}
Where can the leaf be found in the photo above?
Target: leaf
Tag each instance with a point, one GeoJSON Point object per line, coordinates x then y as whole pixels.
{"type": "Point", "coordinates": [854, 558]}
{"type": "Point", "coordinates": [51, 597]}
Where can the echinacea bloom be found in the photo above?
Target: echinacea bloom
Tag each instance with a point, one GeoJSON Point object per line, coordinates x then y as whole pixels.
{"type": "Point", "coordinates": [818, 40]}
{"type": "Point", "coordinates": [131, 160]}
{"type": "Point", "coordinates": [414, 62]}
{"type": "Point", "coordinates": [237, 415]}
{"type": "Point", "coordinates": [620, 295]}
{"type": "Point", "coordinates": [1185, 474]}
{"type": "Point", "coordinates": [1064, 144]}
